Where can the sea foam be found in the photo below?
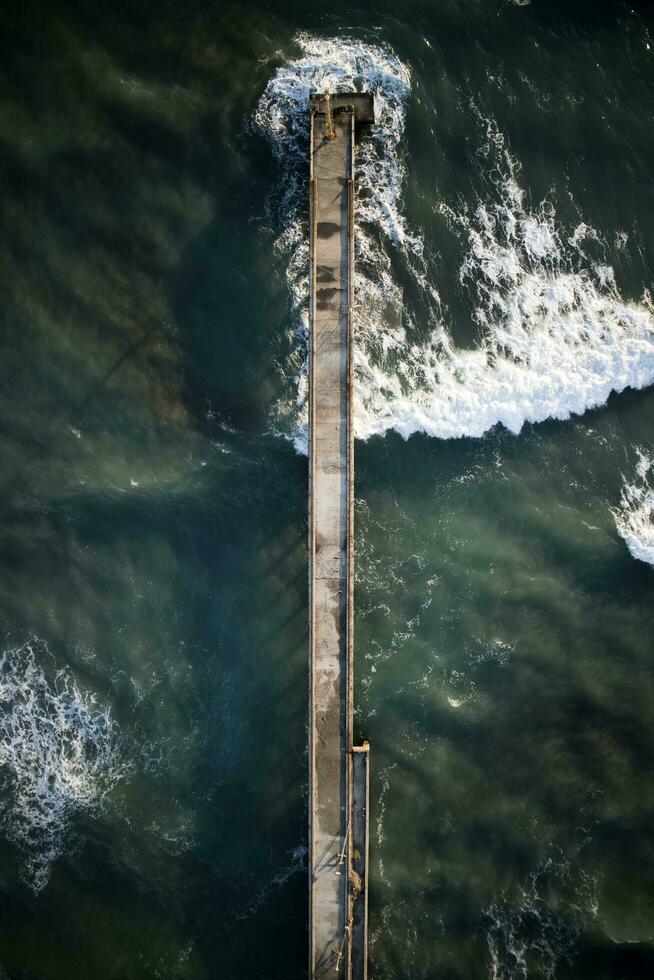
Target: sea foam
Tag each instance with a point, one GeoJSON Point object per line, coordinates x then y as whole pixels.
{"type": "Point", "coordinates": [336, 64]}
{"type": "Point", "coordinates": [59, 754]}
{"type": "Point", "coordinates": [556, 337]}
{"type": "Point", "coordinates": [634, 517]}
{"type": "Point", "coordinates": [531, 934]}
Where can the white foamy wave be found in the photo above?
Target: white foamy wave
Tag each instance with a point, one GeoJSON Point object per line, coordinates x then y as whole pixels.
{"type": "Point", "coordinates": [341, 65]}
{"type": "Point", "coordinates": [58, 755]}
{"type": "Point", "coordinates": [336, 65]}
{"type": "Point", "coordinates": [529, 935]}
{"type": "Point", "coordinates": [634, 518]}
{"type": "Point", "coordinates": [556, 336]}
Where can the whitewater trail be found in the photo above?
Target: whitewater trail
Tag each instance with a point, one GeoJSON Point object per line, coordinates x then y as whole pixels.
{"type": "Point", "coordinates": [557, 338]}
{"type": "Point", "coordinates": [282, 115]}
{"type": "Point", "coordinates": [59, 754]}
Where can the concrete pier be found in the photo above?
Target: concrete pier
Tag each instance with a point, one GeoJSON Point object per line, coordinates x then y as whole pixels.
{"type": "Point", "coordinates": [338, 891]}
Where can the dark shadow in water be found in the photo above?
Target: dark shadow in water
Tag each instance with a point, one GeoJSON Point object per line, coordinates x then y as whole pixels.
{"type": "Point", "coordinates": [235, 581]}
{"type": "Point", "coordinates": [601, 960]}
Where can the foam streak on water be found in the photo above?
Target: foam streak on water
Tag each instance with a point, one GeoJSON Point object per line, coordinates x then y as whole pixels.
{"type": "Point", "coordinates": [58, 755]}
{"type": "Point", "coordinates": [634, 518]}
{"type": "Point", "coordinates": [556, 336]}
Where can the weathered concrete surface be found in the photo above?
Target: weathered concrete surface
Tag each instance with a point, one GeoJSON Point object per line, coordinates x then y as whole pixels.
{"type": "Point", "coordinates": [331, 172]}
{"type": "Point", "coordinates": [362, 103]}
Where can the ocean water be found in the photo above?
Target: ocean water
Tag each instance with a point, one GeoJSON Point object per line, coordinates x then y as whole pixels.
{"type": "Point", "coordinates": [153, 605]}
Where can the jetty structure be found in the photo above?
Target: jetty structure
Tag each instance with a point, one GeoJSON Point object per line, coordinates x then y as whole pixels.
{"type": "Point", "coordinates": [338, 770]}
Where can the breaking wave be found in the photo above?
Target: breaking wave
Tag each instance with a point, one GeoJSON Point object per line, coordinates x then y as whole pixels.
{"type": "Point", "coordinates": [337, 65]}
{"type": "Point", "coordinates": [634, 518]}
{"type": "Point", "coordinates": [59, 754]}
{"type": "Point", "coordinates": [556, 337]}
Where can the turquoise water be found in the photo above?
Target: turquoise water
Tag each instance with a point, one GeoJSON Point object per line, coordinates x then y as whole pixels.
{"type": "Point", "coordinates": [153, 680]}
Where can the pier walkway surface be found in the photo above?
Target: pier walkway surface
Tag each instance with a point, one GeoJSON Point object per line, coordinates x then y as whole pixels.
{"type": "Point", "coordinates": [338, 818]}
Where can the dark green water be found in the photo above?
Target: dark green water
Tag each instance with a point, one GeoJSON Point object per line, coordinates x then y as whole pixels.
{"type": "Point", "coordinates": [153, 536]}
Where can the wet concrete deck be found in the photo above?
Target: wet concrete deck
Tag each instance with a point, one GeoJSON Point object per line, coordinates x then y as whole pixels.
{"type": "Point", "coordinates": [331, 542]}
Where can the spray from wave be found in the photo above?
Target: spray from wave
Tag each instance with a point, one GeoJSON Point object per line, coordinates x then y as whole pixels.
{"type": "Point", "coordinates": [634, 518]}
{"type": "Point", "coordinates": [59, 754]}
{"type": "Point", "coordinates": [556, 336]}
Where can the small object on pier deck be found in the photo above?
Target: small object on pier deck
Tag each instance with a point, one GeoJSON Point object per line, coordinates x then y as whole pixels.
{"type": "Point", "coordinates": [330, 131]}
{"type": "Point", "coordinates": [361, 102]}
